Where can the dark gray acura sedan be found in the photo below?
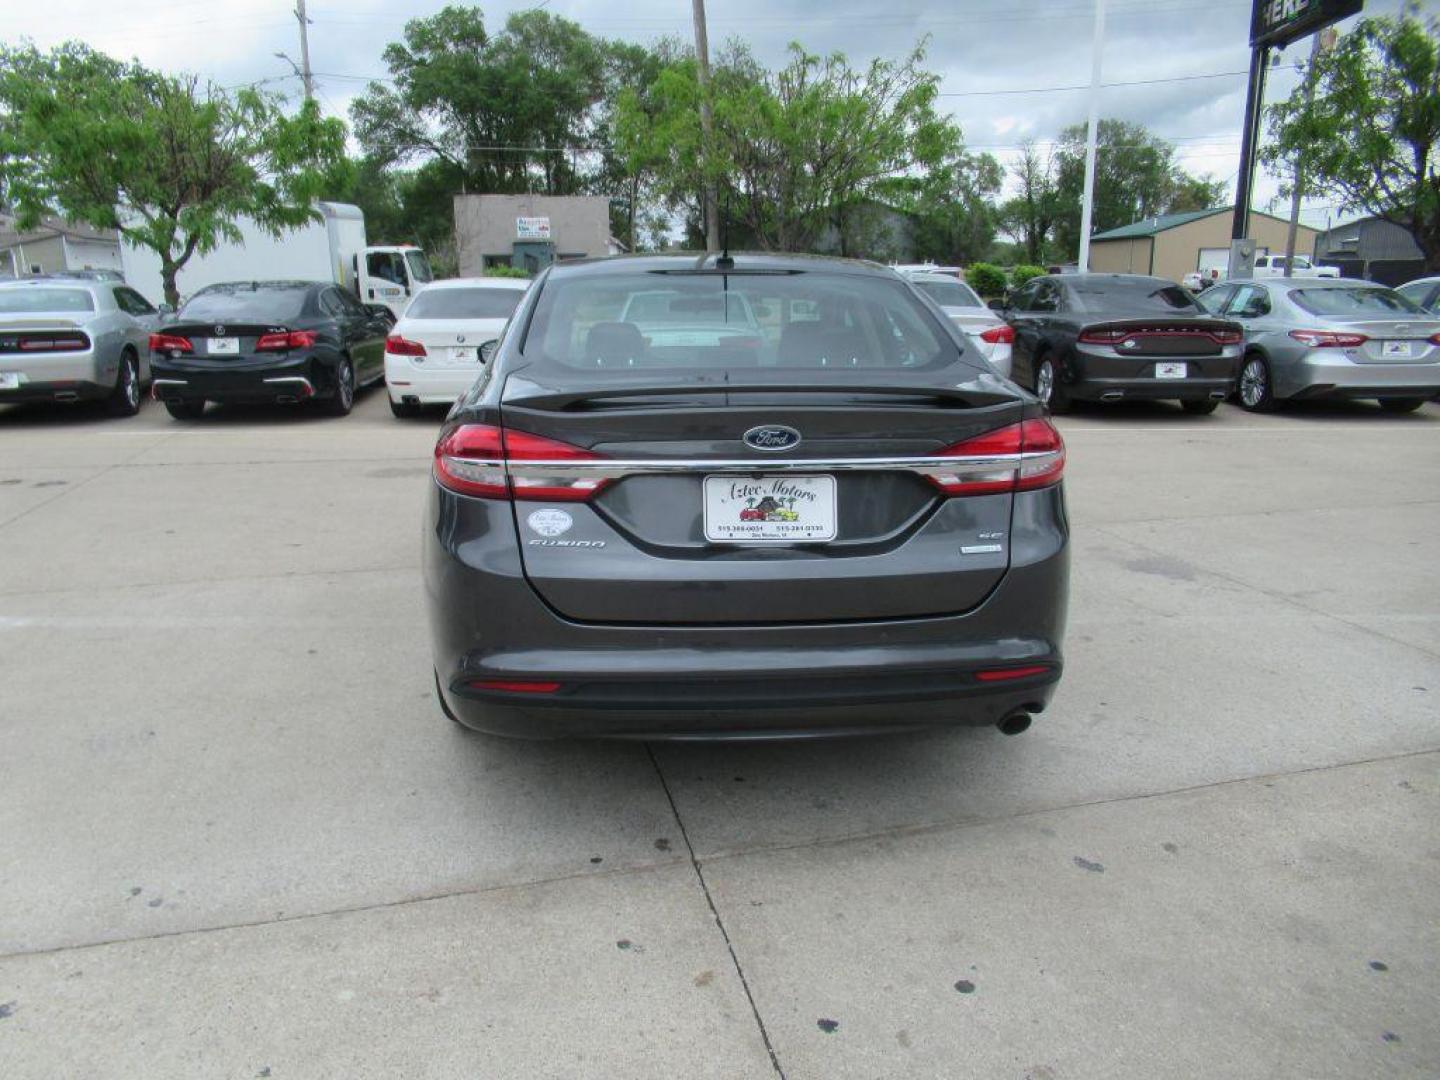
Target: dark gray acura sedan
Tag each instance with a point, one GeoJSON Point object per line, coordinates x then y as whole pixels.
{"type": "Point", "coordinates": [759, 497]}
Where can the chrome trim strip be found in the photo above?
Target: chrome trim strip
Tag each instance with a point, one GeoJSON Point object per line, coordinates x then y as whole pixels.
{"type": "Point", "coordinates": [169, 382]}
{"type": "Point", "coordinates": [616, 467]}
{"type": "Point", "coordinates": [293, 378]}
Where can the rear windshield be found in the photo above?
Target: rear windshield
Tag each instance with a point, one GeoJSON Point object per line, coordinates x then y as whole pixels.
{"type": "Point", "coordinates": [1355, 303]}
{"type": "Point", "coordinates": [711, 321]}
{"type": "Point", "coordinates": [17, 300]}
{"type": "Point", "coordinates": [949, 293]}
{"type": "Point", "coordinates": [1140, 297]}
{"type": "Point", "coordinates": [477, 303]}
{"type": "Point", "coordinates": [245, 304]}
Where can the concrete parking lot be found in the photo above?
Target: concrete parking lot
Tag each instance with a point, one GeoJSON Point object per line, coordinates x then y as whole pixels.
{"type": "Point", "coordinates": [238, 839]}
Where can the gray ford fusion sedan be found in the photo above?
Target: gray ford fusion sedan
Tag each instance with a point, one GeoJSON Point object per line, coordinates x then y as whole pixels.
{"type": "Point", "coordinates": [775, 496]}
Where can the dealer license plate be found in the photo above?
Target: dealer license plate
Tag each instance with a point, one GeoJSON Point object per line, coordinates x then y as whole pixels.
{"type": "Point", "coordinates": [1170, 370]}
{"type": "Point", "coordinates": [223, 346]}
{"type": "Point", "coordinates": [793, 509]}
{"type": "Point", "coordinates": [9, 380]}
{"type": "Point", "coordinates": [1398, 350]}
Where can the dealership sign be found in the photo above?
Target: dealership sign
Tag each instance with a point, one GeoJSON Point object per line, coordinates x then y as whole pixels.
{"type": "Point", "coordinates": [1276, 23]}
{"type": "Point", "coordinates": [532, 228]}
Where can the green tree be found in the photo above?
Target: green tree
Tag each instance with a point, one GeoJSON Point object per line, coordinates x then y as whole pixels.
{"type": "Point", "coordinates": [985, 279]}
{"type": "Point", "coordinates": [1136, 177]}
{"type": "Point", "coordinates": [956, 219]}
{"type": "Point", "coordinates": [1371, 135]}
{"type": "Point", "coordinates": [508, 113]}
{"type": "Point", "coordinates": [169, 163]}
{"type": "Point", "coordinates": [795, 150]}
{"type": "Point", "coordinates": [1030, 216]}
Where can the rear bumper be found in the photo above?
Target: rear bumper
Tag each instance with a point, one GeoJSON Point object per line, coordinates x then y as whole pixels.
{"type": "Point", "coordinates": [293, 378]}
{"type": "Point", "coordinates": [757, 681]}
{"type": "Point", "coordinates": [1324, 373]}
{"type": "Point", "coordinates": [1101, 374]}
{"type": "Point", "coordinates": [57, 377]}
{"type": "Point", "coordinates": [420, 385]}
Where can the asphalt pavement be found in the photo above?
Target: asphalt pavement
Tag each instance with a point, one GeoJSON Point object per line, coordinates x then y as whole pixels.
{"type": "Point", "coordinates": [238, 839]}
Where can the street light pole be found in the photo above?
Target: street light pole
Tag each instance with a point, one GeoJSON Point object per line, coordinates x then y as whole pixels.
{"type": "Point", "coordinates": [1087, 207]}
{"type": "Point", "coordinates": [306, 75]}
{"type": "Point", "coordinates": [707, 125]}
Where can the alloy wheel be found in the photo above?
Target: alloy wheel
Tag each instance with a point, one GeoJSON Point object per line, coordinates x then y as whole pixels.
{"type": "Point", "coordinates": [1045, 382]}
{"type": "Point", "coordinates": [1253, 382]}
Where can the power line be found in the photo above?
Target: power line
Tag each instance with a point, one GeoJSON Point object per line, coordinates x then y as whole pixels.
{"type": "Point", "coordinates": [1103, 86]}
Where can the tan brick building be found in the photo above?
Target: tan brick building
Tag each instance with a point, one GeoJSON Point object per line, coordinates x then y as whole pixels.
{"type": "Point", "coordinates": [1174, 245]}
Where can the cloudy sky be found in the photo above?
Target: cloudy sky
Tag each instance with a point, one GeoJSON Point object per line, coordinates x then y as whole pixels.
{"type": "Point", "coordinates": [1005, 63]}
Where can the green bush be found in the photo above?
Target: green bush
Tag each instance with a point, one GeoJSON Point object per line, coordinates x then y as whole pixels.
{"type": "Point", "coordinates": [506, 271]}
{"type": "Point", "coordinates": [1023, 273]}
{"type": "Point", "coordinates": [986, 279]}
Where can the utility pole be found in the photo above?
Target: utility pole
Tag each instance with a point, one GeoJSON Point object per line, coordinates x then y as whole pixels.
{"type": "Point", "coordinates": [1322, 41]}
{"type": "Point", "coordinates": [1092, 134]}
{"type": "Point", "coordinates": [707, 125]}
{"type": "Point", "coordinates": [306, 75]}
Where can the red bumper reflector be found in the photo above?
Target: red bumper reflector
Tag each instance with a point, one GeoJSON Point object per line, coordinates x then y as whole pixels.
{"type": "Point", "coordinates": [515, 686]}
{"type": "Point", "coordinates": [1001, 674]}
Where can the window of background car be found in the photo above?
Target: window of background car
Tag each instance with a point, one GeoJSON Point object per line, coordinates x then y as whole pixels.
{"type": "Point", "coordinates": [1143, 297]}
{"type": "Point", "coordinates": [948, 293]}
{"type": "Point", "coordinates": [1213, 300]}
{"type": "Point", "coordinates": [245, 303]}
{"type": "Point", "coordinates": [712, 321]}
{"type": "Point", "coordinates": [1046, 297]}
{"type": "Point", "coordinates": [1251, 302]}
{"type": "Point", "coordinates": [12, 300]}
{"type": "Point", "coordinates": [464, 303]}
{"type": "Point", "coordinates": [1354, 303]}
{"type": "Point", "coordinates": [132, 303]}
{"type": "Point", "coordinates": [419, 267]}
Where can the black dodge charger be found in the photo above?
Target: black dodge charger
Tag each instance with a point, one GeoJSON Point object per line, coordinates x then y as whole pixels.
{"type": "Point", "coordinates": [692, 496]}
{"type": "Point", "coordinates": [268, 341]}
{"type": "Point", "coordinates": [1120, 337]}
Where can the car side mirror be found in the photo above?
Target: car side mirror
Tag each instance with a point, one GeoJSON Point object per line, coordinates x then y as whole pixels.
{"type": "Point", "coordinates": [487, 350]}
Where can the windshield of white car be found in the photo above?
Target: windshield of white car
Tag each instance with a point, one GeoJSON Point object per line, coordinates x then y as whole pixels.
{"type": "Point", "coordinates": [949, 293]}
{"type": "Point", "coordinates": [419, 267]}
{"type": "Point", "coordinates": [18, 300]}
{"type": "Point", "coordinates": [715, 322]}
{"type": "Point", "coordinates": [478, 303]}
{"type": "Point", "coordinates": [1355, 303]}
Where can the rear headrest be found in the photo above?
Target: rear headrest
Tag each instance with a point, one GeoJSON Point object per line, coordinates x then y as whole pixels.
{"type": "Point", "coordinates": [614, 343]}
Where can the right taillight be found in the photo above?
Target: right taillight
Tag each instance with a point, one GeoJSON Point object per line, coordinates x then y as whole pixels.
{"type": "Point", "coordinates": [396, 345]}
{"type": "Point", "coordinates": [1026, 456]}
{"type": "Point", "coordinates": [487, 462]}
{"type": "Point", "coordinates": [1328, 339]}
{"type": "Point", "coordinates": [1004, 334]}
{"type": "Point", "coordinates": [170, 343]}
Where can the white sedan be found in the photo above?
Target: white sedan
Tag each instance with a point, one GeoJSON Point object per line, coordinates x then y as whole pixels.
{"type": "Point", "coordinates": [432, 355]}
{"type": "Point", "coordinates": [989, 333]}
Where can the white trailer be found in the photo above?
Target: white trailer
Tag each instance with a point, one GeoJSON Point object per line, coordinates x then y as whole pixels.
{"type": "Point", "coordinates": [330, 249]}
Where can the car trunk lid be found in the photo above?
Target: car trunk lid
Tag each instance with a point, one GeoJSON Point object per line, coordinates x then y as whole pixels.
{"type": "Point", "coordinates": [695, 525]}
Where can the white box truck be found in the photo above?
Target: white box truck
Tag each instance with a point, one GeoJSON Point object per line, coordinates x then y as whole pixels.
{"type": "Point", "coordinates": [330, 249]}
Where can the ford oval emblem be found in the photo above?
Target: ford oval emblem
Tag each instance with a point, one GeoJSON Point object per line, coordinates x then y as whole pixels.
{"type": "Point", "coordinates": [771, 437]}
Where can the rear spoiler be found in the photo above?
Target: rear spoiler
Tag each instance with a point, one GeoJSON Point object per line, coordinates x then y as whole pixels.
{"type": "Point", "coordinates": [532, 395]}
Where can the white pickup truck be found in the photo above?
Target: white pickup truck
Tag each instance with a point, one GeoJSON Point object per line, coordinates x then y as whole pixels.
{"type": "Point", "coordinates": [1274, 266]}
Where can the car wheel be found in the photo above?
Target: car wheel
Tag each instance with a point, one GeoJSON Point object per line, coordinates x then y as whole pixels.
{"type": "Point", "coordinates": [1255, 391]}
{"type": "Point", "coordinates": [1048, 389]}
{"type": "Point", "coordinates": [185, 410]}
{"type": "Point", "coordinates": [124, 400]}
{"type": "Point", "coordinates": [404, 410]}
{"type": "Point", "coordinates": [1199, 408]}
{"type": "Point", "coordinates": [344, 398]}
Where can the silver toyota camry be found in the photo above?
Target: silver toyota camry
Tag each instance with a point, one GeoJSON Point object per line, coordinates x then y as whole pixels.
{"type": "Point", "coordinates": [1309, 338]}
{"type": "Point", "coordinates": [69, 340]}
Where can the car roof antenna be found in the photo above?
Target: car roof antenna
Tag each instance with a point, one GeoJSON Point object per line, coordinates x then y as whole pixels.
{"type": "Point", "coordinates": [725, 262]}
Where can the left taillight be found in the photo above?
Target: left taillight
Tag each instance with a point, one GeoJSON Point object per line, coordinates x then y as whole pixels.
{"type": "Point", "coordinates": [171, 343]}
{"type": "Point", "coordinates": [285, 341]}
{"type": "Point", "coordinates": [490, 463]}
{"type": "Point", "coordinates": [1026, 456]}
{"type": "Point", "coordinates": [1004, 334]}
